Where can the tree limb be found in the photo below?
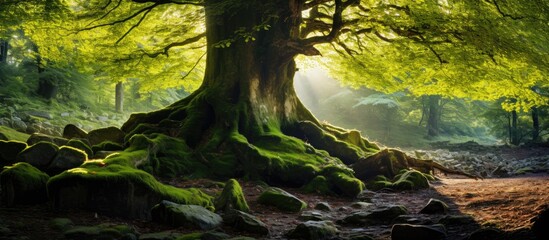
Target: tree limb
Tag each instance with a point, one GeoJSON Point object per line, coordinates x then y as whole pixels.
{"type": "Point", "coordinates": [145, 9]}
{"type": "Point", "coordinates": [134, 26]}
{"type": "Point", "coordinates": [165, 50]}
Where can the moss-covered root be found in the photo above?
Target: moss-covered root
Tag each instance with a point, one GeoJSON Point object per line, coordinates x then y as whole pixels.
{"type": "Point", "coordinates": [405, 180]}
{"type": "Point", "coordinates": [23, 184]}
{"type": "Point", "coordinates": [116, 190]}
{"type": "Point", "coordinates": [232, 197]}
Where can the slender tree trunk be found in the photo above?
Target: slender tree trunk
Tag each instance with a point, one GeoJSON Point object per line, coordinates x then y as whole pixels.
{"type": "Point", "coordinates": [535, 124]}
{"type": "Point", "coordinates": [515, 139]}
{"type": "Point", "coordinates": [119, 97]}
{"type": "Point", "coordinates": [3, 51]}
{"type": "Point", "coordinates": [433, 117]}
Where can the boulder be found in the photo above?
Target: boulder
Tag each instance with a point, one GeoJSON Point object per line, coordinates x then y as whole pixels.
{"type": "Point", "coordinates": [23, 184]}
{"type": "Point", "coordinates": [318, 185]}
{"type": "Point", "coordinates": [312, 216]}
{"type": "Point", "coordinates": [107, 146]}
{"type": "Point", "coordinates": [3, 137]}
{"type": "Point", "coordinates": [38, 155]}
{"type": "Point", "coordinates": [72, 131]}
{"type": "Point", "coordinates": [323, 206]}
{"type": "Point", "coordinates": [176, 215]}
{"type": "Point", "coordinates": [245, 222]}
{"type": "Point", "coordinates": [314, 230]}
{"type": "Point", "coordinates": [38, 137]}
{"type": "Point", "coordinates": [9, 151]}
{"type": "Point", "coordinates": [111, 134]}
{"type": "Point", "coordinates": [282, 200]}
{"type": "Point", "coordinates": [18, 124]}
{"type": "Point", "coordinates": [541, 224]}
{"type": "Point", "coordinates": [102, 231]}
{"type": "Point", "coordinates": [435, 206]}
{"type": "Point", "coordinates": [231, 198]}
{"type": "Point", "coordinates": [366, 196]}
{"type": "Point", "coordinates": [408, 231]}
{"type": "Point", "coordinates": [66, 158]}
{"type": "Point", "coordinates": [79, 144]}
{"type": "Point", "coordinates": [383, 215]}
{"type": "Point", "coordinates": [361, 205]}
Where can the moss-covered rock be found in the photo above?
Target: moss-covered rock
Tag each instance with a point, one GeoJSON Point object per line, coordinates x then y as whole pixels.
{"type": "Point", "coordinates": [166, 235]}
{"type": "Point", "coordinates": [38, 155]}
{"type": "Point", "coordinates": [317, 230]}
{"type": "Point", "coordinates": [38, 137]}
{"type": "Point", "coordinates": [318, 185]}
{"type": "Point", "coordinates": [23, 184]}
{"type": "Point", "coordinates": [176, 215]}
{"type": "Point", "coordinates": [107, 146]}
{"type": "Point", "coordinates": [405, 180]}
{"type": "Point", "coordinates": [112, 134]}
{"type": "Point", "coordinates": [72, 131]}
{"type": "Point", "coordinates": [66, 158]}
{"type": "Point", "coordinates": [343, 180]}
{"type": "Point", "coordinates": [79, 144]}
{"type": "Point", "coordinates": [245, 222]}
{"type": "Point", "coordinates": [231, 197]}
{"type": "Point", "coordinates": [282, 200]}
{"type": "Point", "coordinates": [3, 137]}
{"type": "Point", "coordinates": [434, 206]}
{"type": "Point", "coordinates": [102, 231]}
{"type": "Point", "coordinates": [383, 215]}
{"type": "Point", "coordinates": [117, 189]}
{"type": "Point", "coordinates": [9, 151]}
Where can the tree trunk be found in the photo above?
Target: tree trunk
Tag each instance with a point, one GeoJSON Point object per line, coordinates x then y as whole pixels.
{"type": "Point", "coordinates": [515, 138]}
{"type": "Point", "coordinates": [535, 124]}
{"type": "Point", "coordinates": [3, 51]}
{"type": "Point", "coordinates": [119, 97]}
{"type": "Point", "coordinates": [433, 117]}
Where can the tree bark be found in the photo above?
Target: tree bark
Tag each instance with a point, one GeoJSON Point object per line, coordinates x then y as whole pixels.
{"type": "Point", "coordinates": [433, 117]}
{"type": "Point", "coordinates": [515, 138]}
{"type": "Point", "coordinates": [119, 97]}
{"type": "Point", "coordinates": [3, 51]}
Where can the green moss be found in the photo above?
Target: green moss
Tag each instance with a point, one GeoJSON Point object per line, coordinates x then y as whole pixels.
{"type": "Point", "coordinates": [191, 236]}
{"type": "Point", "coordinates": [282, 200]}
{"type": "Point", "coordinates": [12, 134]}
{"type": "Point", "coordinates": [232, 198]}
{"type": "Point", "coordinates": [76, 143]}
{"type": "Point", "coordinates": [23, 183]}
{"type": "Point", "coordinates": [107, 146]}
{"type": "Point", "coordinates": [405, 180]}
{"type": "Point", "coordinates": [319, 185]}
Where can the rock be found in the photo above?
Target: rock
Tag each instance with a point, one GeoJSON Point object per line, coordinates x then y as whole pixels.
{"type": "Point", "coordinates": [18, 124]}
{"type": "Point", "coordinates": [435, 206]}
{"type": "Point", "coordinates": [66, 158]}
{"type": "Point", "coordinates": [360, 205]}
{"type": "Point", "coordinates": [3, 137]}
{"type": "Point", "coordinates": [79, 144]}
{"type": "Point", "coordinates": [380, 216]}
{"type": "Point", "coordinates": [323, 206]}
{"type": "Point", "coordinates": [61, 224]}
{"type": "Point", "coordinates": [245, 222]}
{"type": "Point", "coordinates": [456, 220]}
{"type": "Point", "coordinates": [318, 185]}
{"type": "Point", "coordinates": [360, 237]}
{"type": "Point", "coordinates": [9, 151]}
{"type": "Point", "coordinates": [102, 231]}
{"type": "Point", "coordinates": [214, 235]}
{"type": "Point", "coordinates": [541, 224]}
{"type": "Point", "coordinates": [38, 155]}
{"type": "Point", "coordinates": [282, 200]}
{"type": "Point", "coordinates": [23, 184]}
{"type": "Point", "coordinates": [366, 196]}
{"type": "Point", "coordinates": [111, 134]}
{"type": "Point", "coordinates": [102, 118]}
{"type": "Point", "coordinates": [416, 219]}
{"type": "Point", "coordinates": [487, 234]}
{"type": "Point", "coordinates": [104, 154]}
{"type": "Point", "coordinates": [408, 231]}
{"type": "Point", "coordinates": [65, 114]}
{"type": "Point", "coordinates": [107, 146]}
{"type": "Point", "coordinates": [72, 131]}
{"type": "Point", "coordinates": [177, 215]}
{"type": "Point", "coordinates": [166, 235]}
{"type": "Point", "coordinates": [38, 137]}
{"type": "Point", "coordinates": [314, 230]}
{"type": "Point", "coordinates": [311, 216]}
{"type": "Point", "coordinates": [40, 114]}
{"type": "Point", "coordinates": [231, 198]}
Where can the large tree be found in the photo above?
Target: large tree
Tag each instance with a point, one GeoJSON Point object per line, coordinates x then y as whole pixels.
{"type": "Point", "coordinates": [245, 119]}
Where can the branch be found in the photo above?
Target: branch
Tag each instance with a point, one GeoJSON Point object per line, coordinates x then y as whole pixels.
{"type": "Point", "coordinates": [337, 24]}
{"type": "Point", "coordinates": [194, 66]}
{"type": "Point", "coordinates": [134, 26]}
{"type": "Point", "coordinates": [165, 50]}
{"type": "Point", "coordinates": [145, 9]}
{"type": "Point", "coordinates": [181, 2]}
{"type": "Point", "coordinates": [505, 14]}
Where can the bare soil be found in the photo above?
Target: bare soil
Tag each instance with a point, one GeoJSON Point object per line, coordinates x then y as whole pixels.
{"type": "Point", "coordinates": [504, 203]}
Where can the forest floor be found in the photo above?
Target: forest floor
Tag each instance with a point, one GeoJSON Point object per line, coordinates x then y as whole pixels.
{"type": "Point", "coordinates": [504, 203]}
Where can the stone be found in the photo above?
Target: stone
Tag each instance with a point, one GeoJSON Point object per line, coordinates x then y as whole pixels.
{"type": "Point", "coordinates": [323, 206]}
{"type": "Point", "coordinates": [72, 131]}
{"type": "Point", "coordinates": [366, 196]}
{"type": "Point", "coordinates": [111, 134]}
{"type": "Point", "coordinates": [245, 222]}
{"type": "Point", "coordinates": [38, 155]}
{"type": "Point", "coordinates": [23, 184]}
{"type": "Point", "coordinates": [282, 200]}
{"type": "Point", "coordinates": [409, 231]}
{"type": "Point", "coordinates": [383, 215]}
{"type": "Point", "coordinates": [80, 144]}
{"type": "Point", "coordinates": [3, 137]}
{"type": "Point", "coordinates": [176, 215]}
{"type": "Point", "coordinates": [18, 125]}
{"type": "Point", "coordinates": [61, 224]}
{"type": "Point", "coordinates": [487, 234]}
{"type": "Point", "coordinates": [38, 137]}
{"type": "Point", "coordinates": [435, 206]}
{"type": "Point", "coordinates": [166, 235]}
{"type": "Point", "coordinates": [311, 216]}
{"type": "Point", "coordinates": [214, 235]}
{"type": "Point", "coordinates": [541, 224]}
{"type": "Point", "coordinates": [232, 197]}
{"type": "Point", "coordinates": [107, 146]}
{"type": "Point", "coordinates": [360, 205]}
{"type": "Point", "coordinates": [314, 230]}
{"type": "Point", "coordinates": [102, 231]}
{"type": "Point", "coordinates": [66, 158]}
{"type": "Point", "coordinates": [9, 151]}
{"type": "Point", "coordinates": [65, 114]}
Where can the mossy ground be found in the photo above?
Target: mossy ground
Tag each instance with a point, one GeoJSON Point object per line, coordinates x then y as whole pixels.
{"type": "Point", "coordinates": [405, 180]}
{"type": "Point", "coordinates": [12, 134]}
